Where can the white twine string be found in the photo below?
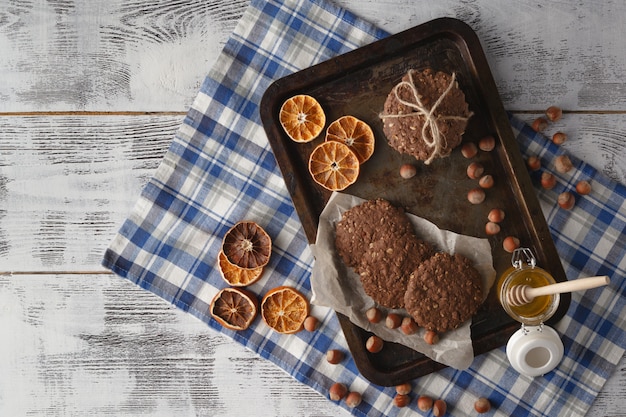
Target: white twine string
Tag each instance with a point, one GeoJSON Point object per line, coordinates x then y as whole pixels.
{"type": "Point", "coordinates": [437, 138]}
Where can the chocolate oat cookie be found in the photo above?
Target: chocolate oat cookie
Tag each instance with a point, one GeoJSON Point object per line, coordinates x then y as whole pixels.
{"type": "Point", "coordinates": [366, 223]}
{"type": "Point", "coordinates": [443, 292]}
{"type": "Point", "coordinates": [387, 264]}
{"type": "Point", "coordinates": [425, 115]}
{"type": "Point", "coordinates": [377, 239]}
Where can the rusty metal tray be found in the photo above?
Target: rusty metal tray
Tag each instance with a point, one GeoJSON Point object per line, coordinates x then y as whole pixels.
{"type": "Point", "coordinates": [357, 83]}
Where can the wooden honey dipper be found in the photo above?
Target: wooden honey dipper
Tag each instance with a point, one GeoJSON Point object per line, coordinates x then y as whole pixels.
{"type": "Point", "coordinates": [523, 294]}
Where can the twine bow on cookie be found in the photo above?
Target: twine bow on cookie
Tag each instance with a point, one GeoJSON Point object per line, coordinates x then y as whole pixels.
{"type": "Point", "coordinates": [437, 140]}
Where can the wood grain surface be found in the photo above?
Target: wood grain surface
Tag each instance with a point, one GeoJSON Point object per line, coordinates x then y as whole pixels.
{"type": "Point", "coordinates": [91, 93]}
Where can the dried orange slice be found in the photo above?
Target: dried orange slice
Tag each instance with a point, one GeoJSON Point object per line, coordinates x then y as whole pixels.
{"type": "Point", "coordinates": [234, 308]}
{"type": "Point", "coordinates": [284, 309]}
{"type": "Point", "coordinates": [247, 245]}
{"type": "Point", "coordinates": [236, 276]}
{"type": "Point", "coordinates": [355, 133]}
{"type": "Point", "coordinates": [333, 165]}
{"type": "Point", "coordinates": [302, 117]}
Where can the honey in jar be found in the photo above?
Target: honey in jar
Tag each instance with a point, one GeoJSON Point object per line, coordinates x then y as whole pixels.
{"type": "Point", "coordinates": [540, 308]}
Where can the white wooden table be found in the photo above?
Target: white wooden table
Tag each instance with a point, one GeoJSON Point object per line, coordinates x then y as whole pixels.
{"type": "Point", "coordinates": [91, 93]}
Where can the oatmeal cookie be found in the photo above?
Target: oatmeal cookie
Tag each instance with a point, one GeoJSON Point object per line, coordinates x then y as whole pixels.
{"type": "Point", "coordinates": [425, 115]}
{"type": "Point", "coordinates": [443, 292]}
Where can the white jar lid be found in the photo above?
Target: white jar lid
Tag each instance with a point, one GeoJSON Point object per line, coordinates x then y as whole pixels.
{"type": "Point", "coordinates": [534, 350]}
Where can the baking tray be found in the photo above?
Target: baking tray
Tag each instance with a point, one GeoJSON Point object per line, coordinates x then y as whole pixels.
{"type": "Point", "coordinates": [357, 83]}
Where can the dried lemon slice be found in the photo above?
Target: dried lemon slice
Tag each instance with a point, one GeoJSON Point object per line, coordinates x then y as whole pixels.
{"type": "Point", "coordinates": [333, 165]}
{"type": "Point", "coordinates": [302, 117]}
{"type": "Point", "coordinates": [284, 309]}
{"type": "Point", "coordinates": [355, 133]}
{"type": "Point", "coordinates": [247, 245]}
{"type": "Point", "coordinates": [237, 276]}
{"type": "Point", "coordinates": [234, 308]}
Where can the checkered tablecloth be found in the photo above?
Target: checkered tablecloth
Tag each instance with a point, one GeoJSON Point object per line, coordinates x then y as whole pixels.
{"type": "Point", "coordinates": [220, 169]}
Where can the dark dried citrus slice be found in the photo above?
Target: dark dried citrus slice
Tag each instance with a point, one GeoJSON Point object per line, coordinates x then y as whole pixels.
{"type": "Point", "coordinates": [234, 308]}
{"type": "Point", "coordinates": [247, 245]}
{"type": "Point", "coordinates": [237, 276]}
{"type": "Point", "coordinates": [284, 309]}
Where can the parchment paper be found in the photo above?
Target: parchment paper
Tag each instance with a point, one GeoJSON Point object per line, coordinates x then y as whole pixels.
{"type": "Point", "coordinates": [336, 286]}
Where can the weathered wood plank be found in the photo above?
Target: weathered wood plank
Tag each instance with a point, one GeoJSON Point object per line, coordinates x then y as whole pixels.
{"type": "Point", "coordinates": [99, 345]}
{"type": "Point", "coordinates": [68, 182]}
{"type": "Point", "coordinates": [147, 55]}
{"type": "Point", "coordinates": [121, 55]}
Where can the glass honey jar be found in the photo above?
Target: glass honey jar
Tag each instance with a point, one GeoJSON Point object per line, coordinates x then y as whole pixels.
{"type": "Point", "coordinates": [535, 349]}
{"type": "Point", "coordinates": [525, 272]}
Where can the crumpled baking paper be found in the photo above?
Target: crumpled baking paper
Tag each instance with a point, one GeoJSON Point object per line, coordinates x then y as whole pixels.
{"type": "Point", "coordinates": [336, 286]}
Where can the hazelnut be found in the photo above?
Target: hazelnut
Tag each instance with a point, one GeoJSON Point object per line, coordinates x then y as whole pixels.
{"type": "Point", "coordinates": [563, 164]}
{"type": "Point", "coordinates": [510, 243]}
{"type": "Point", "coordinates": [334, 356]}
{"type": "Point", "coordinates": [374, 315]}
{"type": "Point", "coordinates": [439, 408]}
{"type": "Point", "coordinates": [476, 195]}
{"type": "Point", "coordinates": [431, 337]}
{"type": "Point", "coordinates": [404, 389]}
{"type": "Point", "coordinates": [401, 400]}
{"type": "Point", "coordinates": [311, 323]}
{"type": "Point", "coordinates": [534, 163]}
{"type": "Point", "coordinates": [374, 344]}
{"type": "Point", "coordinates": [496, 215]}
{"type": "Point", "coordinates": [469, 150]}
{"type": "Point", "coordinates": [583, 187]}
{"type": "Point", "coordinates": [487, 143]}
{"type": "Point", "coordinates": [353, 399]}
{"type": "Point", "coordinates": [566, 200]}
{"type": "Point", "coordinates": [554, 113]}
{"type": "Point", "coordinates": [548, 181]}
{"type": "Point", "coordinates": [408, 171]}
{"type": "Point", "coordinates": [475, 170]}
{"type": "Point", "coordinates": [539, 124]}
{"type": "Point", "coordinates": [482, 405]}
{"type": "Point", "coordinates": [492, 228]}
{"type": "Point", "coordinates": [424, 403]}
{"type": "Point", "coordinates": [393, 321]}
{"type": "Point", "coordinates": [337, 391]}
{"type": "Point", "coordinates": [409, 326]}
{"type": "Point", "coordinates": [559, 138]}
{"type": "Point", "coordinates": [486, 181]}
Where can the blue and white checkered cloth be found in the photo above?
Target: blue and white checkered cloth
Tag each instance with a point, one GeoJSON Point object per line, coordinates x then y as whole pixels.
{"type": "Point", "coordinates": [220, 169]}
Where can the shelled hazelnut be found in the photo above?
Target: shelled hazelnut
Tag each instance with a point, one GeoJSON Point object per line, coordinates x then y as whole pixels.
{"type": "Point", "coordinates": [469, 150]}
{"type": "Point", "coordinates": [566, 200]}
{"type": "Point", "coordinates": [353, 399]}
{"type": "Point", "coordinates": [409, 326]}
{"type": "Point", "coordinates": [496, 215]}
{"type": "Point", "coordinates": [563, 164]}
{"type": "Point", "coordinates": [539, 124]}
{"type": "Point", "coordinates": [583, 187]}
{"type": "Point", "coordinates": [548, 180]}
{"type": "Point", "coordinates": [425, 403]}
{"type": "Point", "coordinates": [487, 143]}
{"type": "Point", "coordinates": [393, 321]}
{"type": "Point", "coordinates": [554, 113]}
{"type": "Point", "coordinates": [374, 344]}
{"type": "Point", "coordinates": [374, 315]}
{"type": "Point", "coordinates": [559, 138]}
{"type": "Point", "coordinates": [337, 391]}
{"type": "Point", "coordinates": [482, 405]}
{"type": "Point", "coordinates": [334, 356]}
{"type": "Point", "coordinates": [510, 243]}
